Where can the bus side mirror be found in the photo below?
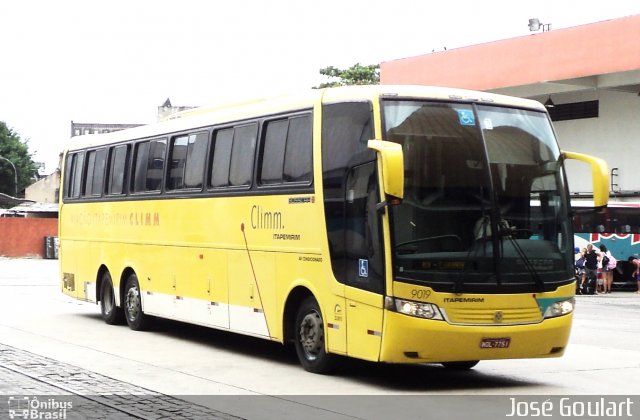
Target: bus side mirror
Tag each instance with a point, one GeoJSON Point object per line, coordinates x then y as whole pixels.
{"type": "Point", "coordinates": [599, 173]}
{"type": "Point", "coordinates": [392, 161]}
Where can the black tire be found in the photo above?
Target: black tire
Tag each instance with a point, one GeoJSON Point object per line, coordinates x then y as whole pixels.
{"type": "Point", "coordinates": [460, 365]}
{"type": "Point", "coordinates": [111, 313]}
{"type": "Point", "coordinates": [309, 338]}
{"type": "Point", "coordinates": [132, 304]}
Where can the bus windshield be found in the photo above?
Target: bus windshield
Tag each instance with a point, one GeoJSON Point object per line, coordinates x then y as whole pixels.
{"type": "Point", "coordinates": [485, 206]}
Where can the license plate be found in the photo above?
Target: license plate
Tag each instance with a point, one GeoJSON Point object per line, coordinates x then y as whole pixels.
{"type": "Point", "coordinates": [495, 343]}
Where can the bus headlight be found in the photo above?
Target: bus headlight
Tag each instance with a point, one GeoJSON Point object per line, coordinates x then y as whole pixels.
{"type": "Point", "coordinates": [412, 308]}
{"type": "Point", "coordinates": [560, 308]}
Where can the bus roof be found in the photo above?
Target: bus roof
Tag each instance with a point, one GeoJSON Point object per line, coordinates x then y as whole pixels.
{"type": "Point", "coordinates": [207, 116]}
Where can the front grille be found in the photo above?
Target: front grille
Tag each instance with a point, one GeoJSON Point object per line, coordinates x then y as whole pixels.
{"type": "Point", "coordinates": [487, 316]}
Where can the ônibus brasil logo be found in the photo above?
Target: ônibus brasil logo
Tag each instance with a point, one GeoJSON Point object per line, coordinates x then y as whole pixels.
{"type": "Point", "coordinates": [34, 408]}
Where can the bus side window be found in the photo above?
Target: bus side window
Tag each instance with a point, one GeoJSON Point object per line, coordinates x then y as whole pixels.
{"type": "Point", "coordinates": [149, 165]}
{"type": "Point", "coordinates": [221, 159]}
{"type": "Point", "coordinates": [298, 165]}
{"type": "Point", "coordinates": [95, 173]}
{"type": "Point", "coordinates": [346, 128]}
{"type": "Point", "coordinates": [196, 158]}
{"type": "Point", "coordinates": [186, 161]}
{"type": "Point", "coordinates": [117, 168]}
{"type": "Point", "coordinates": [155, 168]}
{"type": "Point", "coordinates": [363, 240]}
{"type": "Point", "coordinates": [273, 145]}
{"type": "Point", "coordinates": [286, 151]}
{"type": "Point", "coordinates": [140, 166]}
{"type": "Point", "coordinates": [76, 182]}
{"type": "Point", "coordinates": [242, 154]}
{"type": "Point", "coordinates": [72, 174]}
{"type": "Point", "coordinates": [177, 162]}
{"type": "Point", "coordinates": [233, 156]}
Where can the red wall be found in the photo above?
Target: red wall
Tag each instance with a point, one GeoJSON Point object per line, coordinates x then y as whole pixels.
{"type": "Point", "coordinates": [24, 237]}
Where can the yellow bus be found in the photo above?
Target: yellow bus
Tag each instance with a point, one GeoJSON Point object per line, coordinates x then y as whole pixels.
{"type": "Point", "coordinates": [398, 224]}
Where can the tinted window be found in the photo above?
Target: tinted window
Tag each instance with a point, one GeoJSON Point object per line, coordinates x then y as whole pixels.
{"type": "Point", "coordinates": [149, 165]}
{"type": "Point", "coordinates": [117, 166]}
{"type": "Point", "coordinates": [70, 175]}
{"type": "Point", "coordinates": [177, 162]}
{"type": "Point", "coordinates": [221, 158]}
{"type": "Point", "coordinates": [140, 172]}
{"type": "Point", "coordinates": [95, 172]}
{"type": "Point", "coordinates": [98, 173]}
{"type": "Point", "coordinates": [188, 155]}
{"type": "Point", "coordinates": [78, 165]}
{"type": "Point", "coordinates": [275, 141]}
{"type": "Point", "coordinates": [297, 160]}
{"type": "Point", "coordinates": [346, 128]}
{"type": "Point", "coordinates": [233, 153]}
{"type": "Point", "coordinates": [242, 153]}
{"type": "Point", "coordinates": [286, 151]}
{"type": "Point", "coordinates": [196, 157]}
{"type": "Point", "coordinates": [88, 180]}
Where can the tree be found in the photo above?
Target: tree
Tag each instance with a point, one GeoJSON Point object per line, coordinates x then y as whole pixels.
{"type": "Point", "coordinates": [354, 75]}
{"type": "Point", "coordinates": [13, 149]}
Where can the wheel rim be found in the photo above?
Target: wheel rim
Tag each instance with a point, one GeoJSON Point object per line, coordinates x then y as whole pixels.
{"type": "Point", "coordinates": [108, 300]}
{"type": "Point", "coordinates": [311, 335]}
{"type": "Point", "coordinates": [132, 302]}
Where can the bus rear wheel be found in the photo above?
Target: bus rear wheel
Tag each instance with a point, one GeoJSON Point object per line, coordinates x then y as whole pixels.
{"type": "Point", "coordinates": [310, 340]}
{"type": "Point", "coordinates": [111, 314]}
{"type": "Point", "coordinates": [136, 319]}
{"type": "Point", "coordinates": [460, 365]}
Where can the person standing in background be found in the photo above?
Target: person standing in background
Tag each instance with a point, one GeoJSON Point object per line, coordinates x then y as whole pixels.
{"type": "Point", "coordinates": [608, 265]}
{"type": "Point", "coordinates": [636, 273]}
{"type": "Point", "coordinates": [591, 266]}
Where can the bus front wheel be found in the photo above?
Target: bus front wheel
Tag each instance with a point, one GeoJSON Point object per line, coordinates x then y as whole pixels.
{"type": "Point", "coordinates": [310, 340]}
{"type": "Point", "coordinates": [136, 319]}
{"type": "Point", "coordinates": [111, 314]}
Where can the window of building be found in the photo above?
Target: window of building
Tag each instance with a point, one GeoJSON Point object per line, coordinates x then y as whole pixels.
{"type": "Point", "coordinates": [574, 111]}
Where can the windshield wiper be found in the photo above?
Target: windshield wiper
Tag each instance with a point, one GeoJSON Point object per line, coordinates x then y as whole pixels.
{"type": "Point", "coordinates": [508, 233]}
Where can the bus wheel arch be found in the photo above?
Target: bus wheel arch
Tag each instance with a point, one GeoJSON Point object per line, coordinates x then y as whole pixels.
{"type": "Point", "coordinates": [111, 313]}
{"type": "Point", "coordinates": [123, 282]}
{"type": "Point", "coordinates": [308, 333]}
{"type": "Point", "coordinates": [131, 299]}
{"type": "Point", "coordinates": [99, 278]}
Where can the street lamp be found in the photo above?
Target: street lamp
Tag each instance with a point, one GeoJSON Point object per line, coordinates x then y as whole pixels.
{"type": "Point", "coordinates": [15, 174]}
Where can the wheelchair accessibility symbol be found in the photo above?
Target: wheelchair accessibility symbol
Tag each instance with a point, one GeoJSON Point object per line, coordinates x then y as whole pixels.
{"type": "Point", "coordinates": [466, 117]}
{"type": "Point", "coordinates": [363, 270]}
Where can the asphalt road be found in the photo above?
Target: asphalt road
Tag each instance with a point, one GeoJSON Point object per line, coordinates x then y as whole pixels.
{"type": "Point", "coordinates": [253, 378]}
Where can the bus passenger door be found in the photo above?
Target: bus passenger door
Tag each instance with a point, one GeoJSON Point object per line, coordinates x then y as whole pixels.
{"type": "Point", "coordinates": [364, 263]}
